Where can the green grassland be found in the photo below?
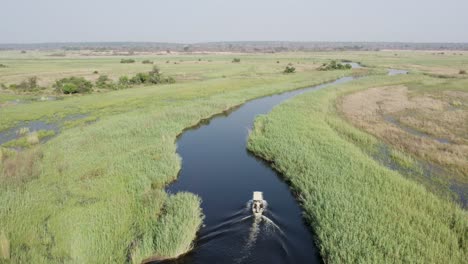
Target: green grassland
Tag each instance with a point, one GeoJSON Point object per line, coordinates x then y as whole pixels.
{"type": "Point", "coordinates": [94, 193]}
{"type": "Point", "coordinates": [360, 210]}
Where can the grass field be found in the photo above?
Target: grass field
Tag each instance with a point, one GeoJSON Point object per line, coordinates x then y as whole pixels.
{"type": "Point", "coordinates": [360, 210]}
{"type": "Point", "coordinates": [94, 193]}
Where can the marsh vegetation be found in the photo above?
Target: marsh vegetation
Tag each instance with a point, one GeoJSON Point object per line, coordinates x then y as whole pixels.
{"type": "Point", "coordinates": [360, 210]}
{"type": "Point", "coordinates": [334, 65]}
{"type": "Point", "coordinates": [95, 192]}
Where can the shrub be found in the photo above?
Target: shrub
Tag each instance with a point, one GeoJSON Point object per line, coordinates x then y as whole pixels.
{"type": "Point", "coordinates": [333, 65]}
{"type": "Point", "coordinates": [236, 60]}
{"type": "Point", "coordinates": [105, 82]}
{"type": "Point", "coordinates": [139, 78]}
{"type": "Point", "coordinates": [69, 88]}
{"type": "Point", "coordinates": [102, 79]}
{"type": "Point", "coordinates": [462, 72]}
{"type": "Point", "coordinates": [127, 61]}
{"type": "Point", "coordinates": [170, 79]}
{"type": "Point", "coordinates": [95, 72]}
{"type": "Point", "coordinates": [124, 81]}
{"type": "Point", "coordinates": [73, 85]}
{"type": "Point", "coordinates": [27, 85]}
{"type": "Point", "coordinates": [147, 62]}
{"type": "Point", "coordinates": [155, 70]}
{"type": "Point", "coordinates": [152, 77]}
{"type": "Point", "coordinates": [23, 52]}
{"type": "Point", "coordinates": [289, 69]}
{"type": "Point", "coordinates": [2, 65]}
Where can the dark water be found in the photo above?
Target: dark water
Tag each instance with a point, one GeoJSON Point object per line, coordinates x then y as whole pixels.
{"type": "Point", "coordinates": [13, 133]}
{"type": "Point", "coordinates": [433, 174]}
{"type": "Point", "coordinates": [218, 167]}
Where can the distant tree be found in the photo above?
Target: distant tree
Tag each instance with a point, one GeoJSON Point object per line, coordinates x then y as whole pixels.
{"type": "Point", "coordinates": [333, 65]}
{"type": "Point", "coordinates": [124, 81]}
{"type": "Point", "coordinates": [236, 60]}
{"type": "Point", "coordinates": [73, 85]}
{"type": "Point", "coordinates": [289, 69]}
{"type": "Point", "coordinates": [32, 82]}
{"type": "Point", "coordinates": [462, 72]}
{"type": "Point", "coordinates": [139, 78]}
{"type": "Point", "coordinates": [127, 61]}
{"type": "Point", "coordinates": [170, 79]}
{"type": "Point", "coordinates": [95, 72]}
{"type": "Point", "coordinates": [69, 88]}
{"type": "Point", "coordinates": [2, 65]}
{"type": "Point", "coordinates": [105, 82]}
{"type": "Point", "coordinates": [27, 85]}
{"type": "Point", "coordinates": [186, 48]}
{"type": "Point", "coordinates": [154, 76]}
{"type": "Point", "coordinates": [23, 52]}
{"type": "Point", "coordinates": [155, 70]}
{"type": "Point", "coordinates": [147, 62]}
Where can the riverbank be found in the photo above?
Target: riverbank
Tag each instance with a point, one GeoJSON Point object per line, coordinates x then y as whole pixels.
{"type": "Point", "coordinates": [360, 210]}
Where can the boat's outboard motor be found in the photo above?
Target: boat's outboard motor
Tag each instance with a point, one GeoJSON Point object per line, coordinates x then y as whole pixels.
{"type": "Point", "coordinates": [258, 204]}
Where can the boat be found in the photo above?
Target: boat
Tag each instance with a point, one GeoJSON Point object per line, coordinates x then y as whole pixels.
{"type": "Point", "coordinates": [258, 204]}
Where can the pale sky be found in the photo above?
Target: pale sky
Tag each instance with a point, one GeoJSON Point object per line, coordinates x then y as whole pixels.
{"type": "Point", "coordinates": [190, 21]}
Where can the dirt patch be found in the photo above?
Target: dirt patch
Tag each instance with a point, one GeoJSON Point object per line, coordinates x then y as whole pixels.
{"type": "Point", "coordinates": [431, 126]}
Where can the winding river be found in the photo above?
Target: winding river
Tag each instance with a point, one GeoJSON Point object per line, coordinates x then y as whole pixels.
{"type": "Point", "coordinates": [218, 168]}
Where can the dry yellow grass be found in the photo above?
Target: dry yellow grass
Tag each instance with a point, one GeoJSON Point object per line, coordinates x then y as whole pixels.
{"type": "Point", "coordinates": [424, 124]}
{"type": "Point", "coordinates": [33, 138]}
{"type": "Point", "coordinates": [4, 247]}
{"type": "Point", "coordinates": [19, 167]}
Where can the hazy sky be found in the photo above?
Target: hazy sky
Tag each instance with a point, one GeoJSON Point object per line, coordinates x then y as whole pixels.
{"type": "Point", "coordinates": [189, 21]}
